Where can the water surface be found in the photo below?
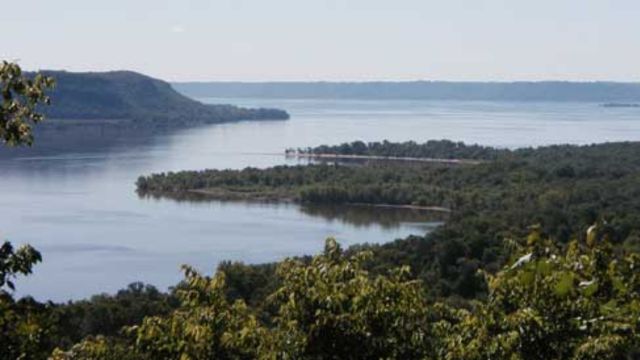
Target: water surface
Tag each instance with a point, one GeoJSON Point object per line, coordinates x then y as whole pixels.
{"type": "Point", "coordinates": [73, 198]}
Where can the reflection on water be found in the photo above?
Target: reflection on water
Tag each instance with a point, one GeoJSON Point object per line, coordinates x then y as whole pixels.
{"type": "Point", "coordinates": [73, 194]}
{"type": "Point", "coordinates": [358, 216]}
{"type": "Point", "coordinates": [53, 140]}
{"type": "Point", "coordinates": [366, 216]}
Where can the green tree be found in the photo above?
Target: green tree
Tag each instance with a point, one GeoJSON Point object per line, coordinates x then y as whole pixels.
{"type": "Point", "coordinates": [98, 348]}
{"type": "Point", "coordinates": [15, 262]}
{"type": "Point", "coordinates": [582, 302]}
{"type": "Point", "coordinates": [20, 97]}
{"type": "Point", "coordinates": [205, 326]}
{"type": "Point", "coordinates": [22, 334]}
{"type": "Point", "coordinates": [333, 308]}
{"type": "Point", "coordinates": [325, 310]}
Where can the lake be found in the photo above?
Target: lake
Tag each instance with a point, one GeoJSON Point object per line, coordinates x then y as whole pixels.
{"type": "Point", "coordinates": [73, 196]}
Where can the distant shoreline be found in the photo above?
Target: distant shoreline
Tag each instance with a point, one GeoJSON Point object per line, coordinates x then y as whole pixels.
{"type": "Point", "coordinates": [621, 105]}
{"type": "Point", "coordinates": [386, 158]}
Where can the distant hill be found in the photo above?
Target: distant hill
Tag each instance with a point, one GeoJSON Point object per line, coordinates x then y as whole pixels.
{"type": "Point", "coordinates": [428, 90]}
{"type": "Point", "coordinates": [125, 95]}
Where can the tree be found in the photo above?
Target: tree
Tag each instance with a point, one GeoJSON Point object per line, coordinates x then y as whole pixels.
{"type": "Point", "coordinates": [332, 308]}
{"type": "Point", "coordinates": [15, 262]}
{"type": "Point", "coordinates": [582, 302]}
{"type": "Point", "coordinates": [20, 98]}
{"type": "Point", "coordinates": [21, 333]}
{"type": "Point", "coordinates": [205, 326]}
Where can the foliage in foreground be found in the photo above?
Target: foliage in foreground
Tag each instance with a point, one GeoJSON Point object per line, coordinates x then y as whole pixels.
{"type": "Point", "coordinates": [18, 101]}
{"type": "Point", "coordinates": [579, 302]}
{"type": "Point", "coordinates": [582, 302]}
{"type": "Point", "coordinates": [21, 330]}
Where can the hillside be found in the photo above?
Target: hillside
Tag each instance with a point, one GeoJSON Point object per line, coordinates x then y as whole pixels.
{"type": "Point", "coordinates": [125, 95]}
{"type": "Point", "coordinates": [425, 90]}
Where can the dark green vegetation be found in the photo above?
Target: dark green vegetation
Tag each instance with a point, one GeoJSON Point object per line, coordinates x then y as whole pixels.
{"type": "Point", "coordinates": [19, 99]}
{"type": "Point", "coordinates": [34, 329]}
{"type": "Point", "coordinates": [422, 90]}
{"type": "Point", "coordinates": [435, 149]}
{"type": "Point", "coordinates": [321, 184]}
{"type": "Point", "coordinates": [125, 95]}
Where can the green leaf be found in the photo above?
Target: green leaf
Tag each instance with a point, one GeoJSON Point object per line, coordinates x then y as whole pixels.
{"type": "Point", "coordinates": [565, 285]}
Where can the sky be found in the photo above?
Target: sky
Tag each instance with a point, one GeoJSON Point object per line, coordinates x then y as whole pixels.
{"type": "Point", "coordinates": [333, 40]}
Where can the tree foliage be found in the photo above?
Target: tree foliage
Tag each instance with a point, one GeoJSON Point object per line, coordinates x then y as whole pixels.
{"type": "Point", "coordinates": [18, 107]}
{"type": "Point", "coordinates": [332, 305]}
{"type": "Point", "coordinates": [580, 302]}
{"type": "Point", "coordinates": [23, 331]}
{"type": "Point", "coordinates": [16, 262]}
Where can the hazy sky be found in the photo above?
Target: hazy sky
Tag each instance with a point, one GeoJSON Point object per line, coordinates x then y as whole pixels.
{"type": "Point", "coordinates": [329, 39]}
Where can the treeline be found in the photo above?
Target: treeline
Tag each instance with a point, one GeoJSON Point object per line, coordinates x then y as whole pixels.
{"type": "Point", "coordinates": [124, 95]}
{"type": "Point", "coordinates": [329, 184]}
{"type": "Point", "coordinates": [48, 325]}
{"type": "Point", "coordinates": [435, 149]}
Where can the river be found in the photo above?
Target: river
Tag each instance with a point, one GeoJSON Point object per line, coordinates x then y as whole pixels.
{"type": "Point", "coordinates": [73, 196]}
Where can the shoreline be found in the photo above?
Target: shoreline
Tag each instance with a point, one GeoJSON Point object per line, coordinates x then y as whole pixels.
{"type": "Point", "coordinates": [225, 195]}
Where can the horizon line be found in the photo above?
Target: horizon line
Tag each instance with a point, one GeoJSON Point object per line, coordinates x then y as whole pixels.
{"type": "Point", "coordinates": [347, 81]}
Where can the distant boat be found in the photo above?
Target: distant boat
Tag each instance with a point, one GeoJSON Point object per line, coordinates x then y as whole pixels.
{"type": "Point", "coordinates": [620, 105]}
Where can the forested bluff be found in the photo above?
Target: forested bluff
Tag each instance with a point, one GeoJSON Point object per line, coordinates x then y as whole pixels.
{"type": "Point", "coordinates": [136, 100]}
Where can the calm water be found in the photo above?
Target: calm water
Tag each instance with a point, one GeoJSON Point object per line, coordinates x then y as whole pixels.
{"type": "Point", "coordinates": [73, 198]}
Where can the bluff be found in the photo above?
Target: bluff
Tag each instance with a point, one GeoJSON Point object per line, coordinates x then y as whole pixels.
{"type": "Point", "coordinates": [130, 96]}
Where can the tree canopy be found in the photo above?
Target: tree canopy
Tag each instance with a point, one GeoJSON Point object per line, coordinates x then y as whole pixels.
{"type": "Point", "coordinates": [20, 97]}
